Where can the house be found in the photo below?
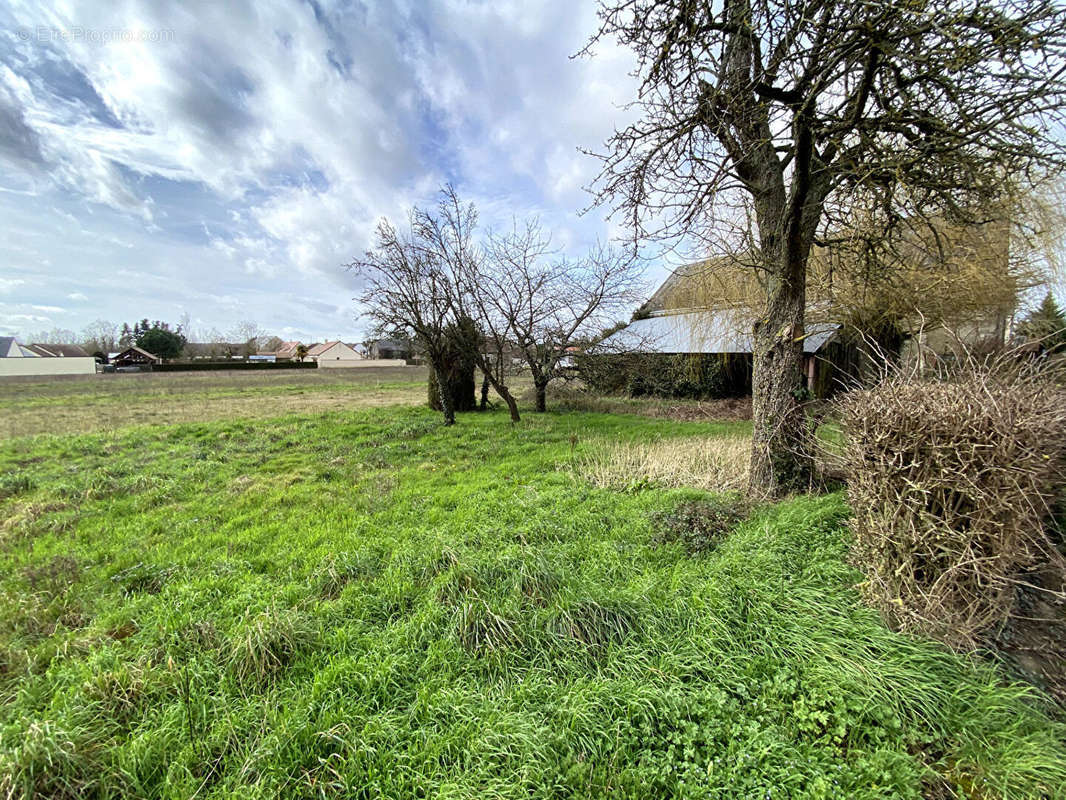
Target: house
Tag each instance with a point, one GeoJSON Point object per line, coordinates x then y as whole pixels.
{"type": "Point", "coordinates": [288, 350]}
{"type": "Point", "coordinates": [10, 348]}
{"type": "Point", "coordinates": [135, 357]}
{"type": "Point", "coordinates": [17, 359]}
{"type": "Point", "coordinates": [334, 354]}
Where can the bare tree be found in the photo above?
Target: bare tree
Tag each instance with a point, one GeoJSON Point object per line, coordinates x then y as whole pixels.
{"type": "Point", "coordinates": [406, 287]}
{"type": "Point", "coordinates": [272, 344]}
{"type": "Point", "coordinates": [249, 335]}
{"type": "Point", "coordinates": [54, 336]}
{"type": "Point", "coordinates": [100, 336]}
{"type": "Point", "coordinates": [542, 304]}
{"type": "Point", "coordinates": [792, 109]}
{"type": "Point", "coordinates": [448, 239]}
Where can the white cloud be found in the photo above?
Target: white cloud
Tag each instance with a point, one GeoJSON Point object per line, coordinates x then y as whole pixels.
{"type": "Point", "coordinates": [255, 149]}
{"type": "Point", "coordinates": [8, 285]}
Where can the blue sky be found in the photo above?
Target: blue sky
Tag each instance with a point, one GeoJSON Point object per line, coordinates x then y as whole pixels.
{"type": "Point", "coordinates": [224, 159]}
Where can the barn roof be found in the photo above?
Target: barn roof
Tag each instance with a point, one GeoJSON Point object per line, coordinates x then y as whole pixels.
{"type": "Point", "coordinates": [129, 351]}
{"type": "Point", "coordinates": [723, 331]}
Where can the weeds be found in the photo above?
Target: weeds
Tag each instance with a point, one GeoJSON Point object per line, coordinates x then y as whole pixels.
{"type": "Point", "coordinates": [701, 525]}
{"type": "Point", "coordinates": [12, 485]}
{"type": "Point", "coordinates": [481, 630]}
{"type": "Point", "coordinates": [142, 577]}
{"type": "Point", "coordinates": [54, 577]}
{"type": "Point", "coordinates": [491, 628]}
{"type": "Point", "coordinates": [596, 625]}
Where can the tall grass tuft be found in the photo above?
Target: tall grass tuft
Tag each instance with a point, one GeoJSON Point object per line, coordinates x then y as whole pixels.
{"type": "Point", "coordinates": [267, 642]}
{"type": "Point", "coordinates": [718, 464]}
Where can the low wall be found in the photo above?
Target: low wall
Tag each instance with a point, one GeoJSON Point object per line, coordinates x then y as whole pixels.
{"type": "Point", "coordinates": [230, 366]}
{"type": "Point", "coordinates": [68, 365]}
{"type": "Point", "coordinates": [365, 362]}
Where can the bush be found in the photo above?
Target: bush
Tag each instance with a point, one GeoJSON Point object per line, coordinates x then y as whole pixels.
{"type": "Point", "coordinates": [701, 525]}
{"type": "Point", "coordinates": [458, 366]}
{"type": "Point", "coordinates": [675, 375]}
{"type": "Point", "coordinates": [951, 480]}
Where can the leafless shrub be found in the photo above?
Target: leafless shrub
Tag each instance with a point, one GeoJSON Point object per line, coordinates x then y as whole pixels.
{"type": "Point", "coordinates": [951, 478]}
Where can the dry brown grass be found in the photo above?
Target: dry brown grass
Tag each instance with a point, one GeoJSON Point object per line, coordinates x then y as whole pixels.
{"type": "Point", "coordinates": [80, 404]}
{"type": "Point", "coordinates": [718, 464]}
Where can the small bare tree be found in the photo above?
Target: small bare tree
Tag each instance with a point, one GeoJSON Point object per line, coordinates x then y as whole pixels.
{"type": "Point", "coordinates": [406, 287]}
{"type": "Point", "coordinates": [512, 293]}
{"type": "Point", "coordinates": [448, 238]}
{"type": "Point", "coordinates": [544, 303]}
{"type": "Point", "coordinates": [100, 336]}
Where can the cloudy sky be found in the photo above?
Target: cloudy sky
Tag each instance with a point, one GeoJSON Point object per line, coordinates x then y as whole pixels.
{"type": "Point", "coordinates": [223, 159]}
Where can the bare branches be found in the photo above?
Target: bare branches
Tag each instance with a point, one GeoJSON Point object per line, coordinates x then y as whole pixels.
{"type": "Point", "coordinates": [890, 94]}
{"type": "Point", "coordinates": [527, 302]}
{"type": "Point", "coordinates": [800, 110]}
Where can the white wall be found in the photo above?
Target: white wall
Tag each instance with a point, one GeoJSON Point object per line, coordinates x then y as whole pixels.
{"type": "Point", "coordinates": [68, 365]}
{"type": "Point", "coordinates": [364, 362]}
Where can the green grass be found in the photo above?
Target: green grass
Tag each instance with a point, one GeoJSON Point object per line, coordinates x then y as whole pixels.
{"type": "Point", "coordinates": [367, 604]}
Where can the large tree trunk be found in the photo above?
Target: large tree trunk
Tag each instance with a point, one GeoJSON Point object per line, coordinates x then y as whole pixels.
{"type": "Point", "coordinates": [442, 396]}
{"type": "Point", "coordinates": [541, 387]}
{"type": "Point", "coordinates": [781, 455]}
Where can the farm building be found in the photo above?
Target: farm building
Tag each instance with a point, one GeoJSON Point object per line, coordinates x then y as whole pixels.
{"type": "Point", "coordinates": [725, 332]}
{"type": "Point", "coordinates": [939, 299]}
{"type": "Point", "coordinates": [135, 357]}
{"type": "Point", "coordinates": [17, 359]}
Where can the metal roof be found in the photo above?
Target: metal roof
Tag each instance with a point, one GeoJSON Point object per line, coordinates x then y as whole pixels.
{"type": "Point", "coordinates": [722, 331]}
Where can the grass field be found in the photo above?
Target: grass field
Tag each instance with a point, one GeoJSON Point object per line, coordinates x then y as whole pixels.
{"type": "Point", "coordinates": [80, 404]}
{"type": "Point", "coordinates": [363, 603]}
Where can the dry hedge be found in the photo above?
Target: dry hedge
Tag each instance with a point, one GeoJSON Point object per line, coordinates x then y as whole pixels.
{"type": "Point", "coordinates": [951, 480]}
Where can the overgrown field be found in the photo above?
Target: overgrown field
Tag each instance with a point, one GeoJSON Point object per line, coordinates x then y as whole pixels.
{"type": "Point", "coordinates": [366, 604]}
{"type": "Point", "coordinates": [81, 404]}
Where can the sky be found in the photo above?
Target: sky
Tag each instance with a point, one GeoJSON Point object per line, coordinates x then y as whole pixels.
{"type": "Point", "coordinates": [225, 159]}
